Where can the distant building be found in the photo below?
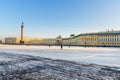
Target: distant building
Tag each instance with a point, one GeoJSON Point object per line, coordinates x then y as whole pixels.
{"type": "Point", "coordinates": [59, 40]}
{"type": "Point", "coordinates": [42, 41]}
{"type": "Point", "coordinates": [15, 40]}
{"type": "Point", "coordinates": [107, 38]}
{"type": "Point", "coordinates": [0, 41]}
{"type": "Point", "coordinates": [10, 40]}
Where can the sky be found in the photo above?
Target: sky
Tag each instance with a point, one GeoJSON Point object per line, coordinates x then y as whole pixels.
{"type": "Point", "coordinates": [50, 18]}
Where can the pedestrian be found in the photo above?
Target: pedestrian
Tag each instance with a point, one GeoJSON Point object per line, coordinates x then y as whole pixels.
{"type": "Point", "coordinates": [61, 46]}
{"type": "Point", "coordinates": [49, 45]}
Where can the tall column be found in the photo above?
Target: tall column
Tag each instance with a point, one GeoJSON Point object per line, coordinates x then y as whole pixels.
{"type": "Point", "coordinates": [22, 34]}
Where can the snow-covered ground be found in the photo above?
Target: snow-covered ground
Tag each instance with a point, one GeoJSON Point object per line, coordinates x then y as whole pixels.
{"type": "Point", "coordinates": [26, 67]}
{"type": "Point", "coordinates": [102, 56]}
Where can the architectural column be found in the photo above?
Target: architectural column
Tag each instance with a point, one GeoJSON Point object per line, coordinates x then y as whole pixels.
{"type": "Point", "coordinates": [22, 34]}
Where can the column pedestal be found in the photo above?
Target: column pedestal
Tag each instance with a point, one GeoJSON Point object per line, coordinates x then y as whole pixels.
{"type": "Point", "coordinates": [22, 42]}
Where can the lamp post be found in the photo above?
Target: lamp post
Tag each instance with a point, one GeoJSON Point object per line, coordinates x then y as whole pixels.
{"type": "Point", "coordinates": [70, 41]}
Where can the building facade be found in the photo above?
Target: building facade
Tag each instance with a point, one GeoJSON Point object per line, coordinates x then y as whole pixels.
{"type": "Point", "coordinates": [103, 39]}
{"type": "Point", "coordinates": [36, 41]}
{"type": "Point", "coordinates": [108, 38]}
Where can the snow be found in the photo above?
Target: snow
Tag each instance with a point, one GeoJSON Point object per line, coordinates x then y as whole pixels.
{"type": "Point", "coordinates": [102, 56]}
{"type": "Point", "coordinates": [22, 66]}
{"type": "Point", "coordinates": [4, 59]}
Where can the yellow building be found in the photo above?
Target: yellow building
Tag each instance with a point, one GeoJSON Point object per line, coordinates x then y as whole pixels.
{"type": "Point", "coordinates": [0, 41]}
{"type": "Point", "coordinates": [108, 38]}
{"type": "Point", "coordinates": [16, 40]}
{"type": "Point", "coordinates": [42, 41]}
